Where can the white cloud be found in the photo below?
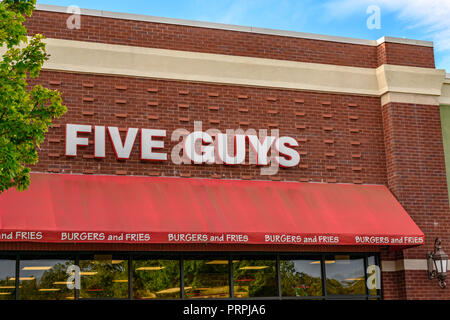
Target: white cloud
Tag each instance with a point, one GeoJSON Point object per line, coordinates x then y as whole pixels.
{"type": "Point", "coordinates": [432, 16]}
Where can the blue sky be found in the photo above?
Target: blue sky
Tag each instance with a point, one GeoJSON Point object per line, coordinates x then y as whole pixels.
{"type": "Point", "coordinates": [415, 19]}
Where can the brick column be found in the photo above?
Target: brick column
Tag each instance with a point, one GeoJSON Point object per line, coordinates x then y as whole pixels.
{"type": "Point", "coordinates": [417, 177]}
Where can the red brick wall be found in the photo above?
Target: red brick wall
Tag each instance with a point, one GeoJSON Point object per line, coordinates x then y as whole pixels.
{"type": "Point", "coordinates": [393, 282]}
{"type": "Point", "coordinates": [393, 285]}
{"type": "Point", "coordinates": [322, 124]}
{"type": "Point", "coordinates": [405, 55]}
{"type": "Point", "coordinates": [176, 37]}
{"type": "Point", "coordinates": [417, 177]}
{"type": "Point", "coordinates": [418, 287]}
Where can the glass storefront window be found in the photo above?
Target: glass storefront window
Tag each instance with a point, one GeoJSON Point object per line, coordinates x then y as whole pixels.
{"type": "Point", "coordinates": [156, 279]}
{"type": "Point", "coordinates": [104, 276]}
{"type": "Point", "coordinates": [255, 278]}
{"type": "Point", "coordinates": [206, 278]}
{"type": "Point", "coordinates": [7, 279]}
{"type": "Point", "coordinates": [44, 276]}
{"type": "Point", "coordinates": [45, 279]}
{"type": "Point", "coordinates": [345, 275]}
{"type": "Point", "coordinates": [301, 277]}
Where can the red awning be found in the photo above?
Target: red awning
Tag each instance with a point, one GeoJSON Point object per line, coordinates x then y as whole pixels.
{"type": "Point", "coordinates": [123, 209]}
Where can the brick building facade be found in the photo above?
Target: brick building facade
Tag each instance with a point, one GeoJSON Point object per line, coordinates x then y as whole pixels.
{"type": "Point", "coordinates": [363, 112]}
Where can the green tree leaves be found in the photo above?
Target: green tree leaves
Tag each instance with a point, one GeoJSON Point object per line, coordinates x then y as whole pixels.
{"type": "Point", "coordinates": [25, 113]}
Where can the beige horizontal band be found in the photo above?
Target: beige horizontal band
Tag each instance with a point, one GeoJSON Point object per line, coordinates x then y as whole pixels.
{"type": "Point", "coordinates": [99, 58]}
{"type": "Point", "coordinates": [391, 83]}
{"type": "Point", "coordinates": [406, 264]}
{"type": "Point", "coordinates": [444, 99]}
{"type": "Point", "coordinates": [107, 59]}
{"type": "Point", "coordinates": [400, 265]}
{"type": "Point", "coordinates": [412, 98]}
{"type": "Point", "coordinates": [401, 79]}
{"type": "Point", "coordinates": [221, 26]}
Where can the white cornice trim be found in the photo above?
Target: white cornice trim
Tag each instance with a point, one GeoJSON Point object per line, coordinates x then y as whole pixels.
{"type": "Point", "coordinates": [405, 41]}
{"type": "Point", "coordinates": [220, 26]}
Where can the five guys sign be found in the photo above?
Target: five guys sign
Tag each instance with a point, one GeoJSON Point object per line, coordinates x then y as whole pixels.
{"type": "Point", "coordinates": [198, 147]}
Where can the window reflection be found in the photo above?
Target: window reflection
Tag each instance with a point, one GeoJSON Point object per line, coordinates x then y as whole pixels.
{"type": "Point", "coordinates": [104, 277]}
{"type": "Point", "coordinates": [156, 279]}
{"type": "Point", "coordinates": [345, 275]}
{"type": "Point", "coordinates": [301, 277]}
{"type": "Point", "coordinates": [7, 279]}
{"type": "Point", "coordinates": [44, 276]}
{"type": "Point", "coordinates": [206, 278]}
{"type": "Point", "coordinates": [255, 278]}
{"type": "Point", "coordinates": [45, 279]}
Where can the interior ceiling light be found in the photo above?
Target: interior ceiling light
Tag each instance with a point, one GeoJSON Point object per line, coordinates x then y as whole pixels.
{"type": "Point", "coordinates": [172, 290]}
{"type": "Point", "coordinates": [217, 262]}
{"type": "Point", "coordinates": [36, 268]}
{"type": "Point", "coordinates": [49, 290]}
{"type": "Point", "coordinates": [253, 267]}
{"type": "Point", "coordinates": [326, 262]}
{"type": "Point", "coordinates": [23, 279]}
{"type": "Point", "coordinates": [63, 282]}
{"type": "Point", "coordinates": [149, 268]}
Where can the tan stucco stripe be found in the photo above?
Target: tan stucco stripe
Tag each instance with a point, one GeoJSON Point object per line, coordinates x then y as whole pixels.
{"type": "Point", "coordinates": [444, 99]}
{"type": "Point", "coordinates": [99, 58]}
{"type": "Point", "coordinates": [412, 98]}
{"type": "Point", "coordinates": [390, 82]}
{"type": "Point", "coordinates": [406, 264]}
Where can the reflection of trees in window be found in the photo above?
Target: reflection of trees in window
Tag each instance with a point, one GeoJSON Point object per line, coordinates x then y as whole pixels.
{"type": "Point", "coordinates": [7, 286]}
{"type": "Point", "coordinates": [50, 284]}
{"type": "Point", "coordinates": [345, 275]}
{"type": "Point", "coordinates": [206, 279]}
{"type": "Point", "coordinates": [296, 283]}
{"type": "Point", "coordinates": [156, 279]}
{"type": "Point", "coordinates": [104, 278]}
{"type": "Point", "coordinates": [356, 286]}
{"type": "Point", "coordinates": [255, 278]}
